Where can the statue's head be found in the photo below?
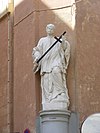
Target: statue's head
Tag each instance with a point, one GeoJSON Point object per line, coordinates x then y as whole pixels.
{"type": "Point", "coordinates": [50, 29]}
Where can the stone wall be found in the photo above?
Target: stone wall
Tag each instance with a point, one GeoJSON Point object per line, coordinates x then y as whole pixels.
{"type": "Point", "coordinates": [3, 74]}
{"type": "Point", "coordinates": [6, 73]}
{"type": "Point", "coordinates": [24, 80]}
{"type": "Point", "coordinates": [87, 57]}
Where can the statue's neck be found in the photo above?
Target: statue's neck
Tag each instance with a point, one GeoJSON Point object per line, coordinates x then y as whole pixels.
{"type": "Point", "coordinates": [50, 36]}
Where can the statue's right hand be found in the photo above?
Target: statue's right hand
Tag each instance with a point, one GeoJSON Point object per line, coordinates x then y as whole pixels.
{"type": "Point", "coordinates": [35, 65]}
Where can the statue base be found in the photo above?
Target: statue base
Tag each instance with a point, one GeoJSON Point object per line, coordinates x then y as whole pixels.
{"type": "Point", "coordinates": [54, 121]}
{"type": "Point", "coordinates": [55, 105]}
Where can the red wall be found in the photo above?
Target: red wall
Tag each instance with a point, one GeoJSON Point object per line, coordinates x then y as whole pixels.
{"type": "Point", "coordinates": [3, 73]}
{"type": "Point", "coordinates": [88, 57]}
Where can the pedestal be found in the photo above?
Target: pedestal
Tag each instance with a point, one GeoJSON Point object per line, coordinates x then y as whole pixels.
{"type": "Point", "coordinates": [54, 121]}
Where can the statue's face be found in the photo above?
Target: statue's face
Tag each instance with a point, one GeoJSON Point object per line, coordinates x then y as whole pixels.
{"type": "Point", "coordinates": [50, 30]}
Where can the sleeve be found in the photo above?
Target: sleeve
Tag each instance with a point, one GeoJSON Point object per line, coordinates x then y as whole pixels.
{"type": "Point", "coordinates": [37, 53]}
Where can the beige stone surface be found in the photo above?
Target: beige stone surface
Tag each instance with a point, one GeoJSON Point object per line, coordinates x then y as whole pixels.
{"type": "Point", "coordinates": [88, 57]}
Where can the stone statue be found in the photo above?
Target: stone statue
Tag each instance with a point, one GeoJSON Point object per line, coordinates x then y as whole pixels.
{"type": "Point", "coordinates": [52, 70]}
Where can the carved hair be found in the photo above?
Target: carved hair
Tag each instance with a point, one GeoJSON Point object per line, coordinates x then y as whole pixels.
{"type": "Point", "coordinates": [50, 25]}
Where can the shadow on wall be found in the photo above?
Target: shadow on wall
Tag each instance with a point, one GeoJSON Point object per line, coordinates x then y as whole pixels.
{"type": "Point", "coordinates": [30, 20]}
{"type": "Point", "coordinates": [88, 54]}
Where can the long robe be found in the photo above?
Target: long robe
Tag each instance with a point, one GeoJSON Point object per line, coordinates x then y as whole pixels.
{"type": "Point", "coordinates": [53, 69]}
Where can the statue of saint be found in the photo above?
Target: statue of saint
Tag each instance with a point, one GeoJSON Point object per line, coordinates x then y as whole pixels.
{"type": "Point", "coordinates": [52, 70]}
